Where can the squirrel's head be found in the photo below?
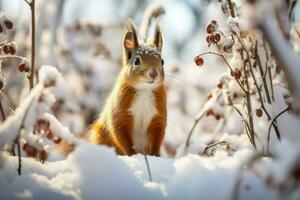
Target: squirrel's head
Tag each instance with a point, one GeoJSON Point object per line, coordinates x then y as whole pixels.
{"type": "Point", "coordinates": [142, 60]}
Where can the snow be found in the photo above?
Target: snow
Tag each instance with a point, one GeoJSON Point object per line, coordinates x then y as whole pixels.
{"type": "Point", "coordinates": [93, 171]}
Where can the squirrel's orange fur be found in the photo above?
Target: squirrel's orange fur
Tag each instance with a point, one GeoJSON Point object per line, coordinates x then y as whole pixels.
{"type": "Point", "coordinates": [140, 82]}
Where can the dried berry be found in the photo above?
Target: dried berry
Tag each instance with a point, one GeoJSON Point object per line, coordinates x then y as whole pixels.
{"type": "Point", "coordinates": [6, 49]}
{"type": "Point", "coordinates": [9, 24]}
{"type": "Point", "coordinates": [57, 140]}
{"type": "Point", "coordinates": [21, 67]}
{"type": "Point", "coordinates": [237, 74]}
{"type": "Point", "coordinates": [227, 48]}
{"type": "Point", "coordinates": [1, 29]}
{"type": "Point", "coordinates": [49, 134]}
{"type": "Point", "coordinates": [218, 116]}
{"type": "Point", "coordinates": [210, 112]}
{"type": "Point", "coordinates": [210, 28]}
{"type": "Point", "coordinates": [43, 156]}
{"type": "Point", "coordinates": [199, 61]}
{"type": "Point", "coordinates": [259, 112]}
{"type": "Point", "coordinates": [220, 85]}
{"type": "Point", "coordinates": [31, 151]}
{"type": "Point", "coordinates": [217, 37]}
{"type": "Point", "coordinates": [12, 50]}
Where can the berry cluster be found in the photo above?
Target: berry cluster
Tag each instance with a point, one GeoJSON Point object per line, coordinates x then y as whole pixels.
{"type": "Point", "coordinates": [43, 127]}
{"type": "Point", "coordinates": [9, 48]}
{"type": "Point", "coordinates": [213, 36]}
{"type": "Point", "coordinates": [211, 112]}
{"type": "Point", "coordinates": [24, 67]}
{"type": "Point", "coordinates": [33, 152]}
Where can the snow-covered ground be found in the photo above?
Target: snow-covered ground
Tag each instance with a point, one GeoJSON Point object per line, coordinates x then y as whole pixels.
{"type": "Point", "coordinates": [94, 172]}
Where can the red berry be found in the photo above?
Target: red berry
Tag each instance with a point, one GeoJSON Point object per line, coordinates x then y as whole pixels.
{"type": "Point", "coordinates": [235, 95]}
{"type": "Point", "coordinates": [12, 50]}
{"type": "Point", "coordinates": [210, 112]}
{"type": "Point", "coordinates": [199, 61]}
{"type": "Point", "coordinates": [259, 112]}
{"type": "Point", "coordinates": [237, 74]}
{"type": "Point", "coordinates": [227, 48]}
{"type": "Point", "coordinates": [9, 24]}
{"type": "Point", "coordinates": [217, 37]}
{"type": "Point", "coordinates": [21, 67]}
{"type": "Point", "coordinates": [210, 28]}
{"type": "Point", "coordinates": [31, 151]}
{"type": "Point", "coordinates": [49, 134]}
{"type": "Point", "coordinates": [6, 49]}
{"type": "Point", "coordinates": [220, 85]}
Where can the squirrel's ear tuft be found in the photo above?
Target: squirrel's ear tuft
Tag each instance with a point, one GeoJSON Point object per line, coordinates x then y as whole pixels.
{"type": "Point", "coordinates": [157, 40]}
{"type": "Point", "coordinates": [130, 39]}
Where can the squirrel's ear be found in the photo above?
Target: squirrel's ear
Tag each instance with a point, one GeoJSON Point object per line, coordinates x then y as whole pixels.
{"type": "Point", "coordinates": [157, 40]}
{"type": "Point", "coordinates": [130, 39]}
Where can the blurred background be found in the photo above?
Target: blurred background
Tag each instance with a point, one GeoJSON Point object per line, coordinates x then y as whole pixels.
{"type": "Point", "coordinates": [83, 39]}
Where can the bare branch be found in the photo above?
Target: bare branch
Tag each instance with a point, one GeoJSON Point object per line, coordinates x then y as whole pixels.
{"type": "Point", "coordinates": [148, 168]}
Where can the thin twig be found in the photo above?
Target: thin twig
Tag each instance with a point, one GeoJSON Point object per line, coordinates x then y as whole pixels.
{"type": "Point", "coordinates": [19, 154]}
{"type": "Point", "coordinates": [230, 8]}
{"type": "Point", "coordinates": [32, 72]}
{"type": "Point", "coordinates": [269, 69]}
{"type": "Point", "coordinates": [27, 2]}
{"type": "Point", "coordinates": [148, 168]}
{"type": "Point", "coordinates": [249, 107]}
{"type": "Point", "coordinates": [269, 130]}
{"type": "Point", "coordinates": [196, 121]}
{"type": "Point", "coordinates": [12, 56]}
{"type": "Point", "coordinates": [223, 57]}
{"type": "Point", "coordinates": [247, 127]}
{"type": "Point", "coordinates": [17, 140]}
{"type": "Point", "coordinates": [212, 145]}
{"type": "Point", "coordinates": [3, 117]}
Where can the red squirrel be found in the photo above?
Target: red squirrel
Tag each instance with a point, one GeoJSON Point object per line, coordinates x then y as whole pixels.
{"type": "Point", "coordinates": [133, 119]}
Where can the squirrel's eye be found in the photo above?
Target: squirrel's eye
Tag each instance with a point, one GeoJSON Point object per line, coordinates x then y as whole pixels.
{"type": "Point", "coordinates": [162, 61]}
{"type": "Point", "coordinates": [137, 61]}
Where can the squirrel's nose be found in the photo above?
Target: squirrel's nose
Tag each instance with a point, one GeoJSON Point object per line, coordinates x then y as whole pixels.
{"type": "Point", "coordinates": [153, 73]}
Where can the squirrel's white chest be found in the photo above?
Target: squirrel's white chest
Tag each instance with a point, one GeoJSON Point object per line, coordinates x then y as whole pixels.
{"type": "Point", "coordinates": [143, 110]}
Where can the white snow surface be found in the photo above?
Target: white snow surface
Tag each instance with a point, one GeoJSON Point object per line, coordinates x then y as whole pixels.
{"type": "Point", "coordinates": [94, 171]}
